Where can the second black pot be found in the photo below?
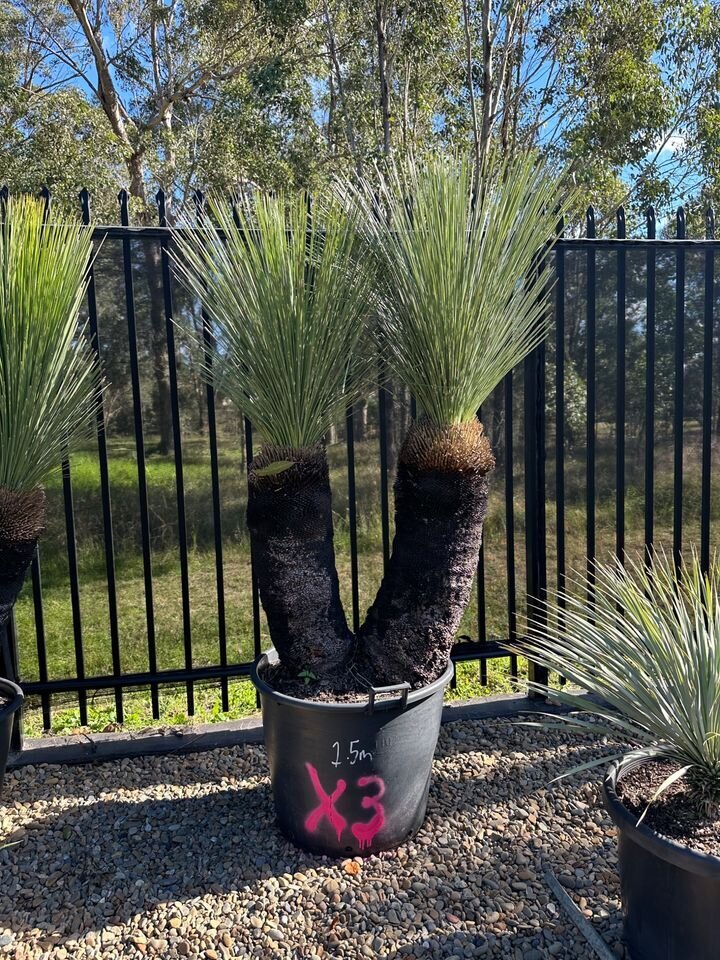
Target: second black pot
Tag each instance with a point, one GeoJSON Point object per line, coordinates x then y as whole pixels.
{"type": "Point", "coordinates": [351, 778]}
{"type": "Point", "coordinates": [670, 894]}
{"type": "Point", "coordinates": [12, 692]}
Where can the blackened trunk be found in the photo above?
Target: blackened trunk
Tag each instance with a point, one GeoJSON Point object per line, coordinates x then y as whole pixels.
{"type": "Point", "coordinates": [290, 521]}
{"type": "Point", "coordinates": [22, 518]}
{"type": "Point", "coordinates": [441, 495]}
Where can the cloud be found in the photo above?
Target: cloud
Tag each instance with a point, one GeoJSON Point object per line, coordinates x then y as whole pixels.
{"type": "Point", "coordinates": [674, 142]}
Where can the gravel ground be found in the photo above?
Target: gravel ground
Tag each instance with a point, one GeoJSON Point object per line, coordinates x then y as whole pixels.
{"type": "Point", "coordinates": [179, 856]}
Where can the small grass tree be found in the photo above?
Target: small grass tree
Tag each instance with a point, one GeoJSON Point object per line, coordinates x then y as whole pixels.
{"type": "Point", "coordinates": [49, 382]}
{"type": "Point", "coordinates": [288, 297]}
{"type": "Point", "coordinates": [647, 645]}
{"type": "Point", "coordinates": [455, 315]}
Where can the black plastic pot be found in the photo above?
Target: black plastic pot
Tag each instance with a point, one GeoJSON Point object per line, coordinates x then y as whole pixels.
{"type": "Point", "coordinates": [670, 894]}
{"type": "Point", "coordinates": [351, 778]}
{"type": "Point", "coordinates": [15, 696]}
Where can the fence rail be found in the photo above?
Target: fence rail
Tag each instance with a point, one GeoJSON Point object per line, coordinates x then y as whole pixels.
{"type": "Point", "coordinates": [536, 435]}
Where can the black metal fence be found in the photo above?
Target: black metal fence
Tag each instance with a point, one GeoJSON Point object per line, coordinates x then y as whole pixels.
{"type": "Point", "coordinates": [605, 442]}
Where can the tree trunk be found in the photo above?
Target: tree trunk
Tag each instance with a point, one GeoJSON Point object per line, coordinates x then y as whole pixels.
{"type": "Point", "coordinates": [506, 125]}
{"type": "Point", "coordinates": [498, 414]}
{"type": "Point", "coordinates": [291, 529]}
{"type": "Point", "coordinates": [199, 408]}
{"type": "Point", "coordinates": [471, 87]}
{"type": "Point", "coordinates": [136, 172]}
{"type": "Point", "coordinates": [158, 344]}
{"type": "Point", "coordinates": [488, 108]}
{"type": "Point", "coordinates": [22, 519]}
{"type": "Point", "coordinates": [158, 341]}
{"type": "Point", "coordinates": [381, 31]}
{"type": "Point", "coordinates": [361, 422]}
{"type": "Point", "coordinates": [390, 419]}
{"type": "Point", "coordinates": [350, 134]}
{"type": "Point", "coordinates": [331, 114]}
{"type": "Point", "coordinates": [441, 494]}
{"type": "Point", "coordinates": [404, 414]}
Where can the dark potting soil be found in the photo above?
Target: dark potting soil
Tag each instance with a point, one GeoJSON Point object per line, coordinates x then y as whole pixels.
{"type": "Point", "coordinates": [348, 688]}
{"type": "Point", "coordinates": [674, 814]}
{"type": "Point", "coordinates": [344, 689]}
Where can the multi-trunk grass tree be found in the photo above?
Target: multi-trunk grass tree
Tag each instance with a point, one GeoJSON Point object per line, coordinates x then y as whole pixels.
{"type": "Point", "coordinates": [49, 381]}
{"type": "Point", "coordinates": [444, 276]}
{"type": "Point", "coordinates": [457, 310]}
{"type": "Point", "coordinates": [288, 297]}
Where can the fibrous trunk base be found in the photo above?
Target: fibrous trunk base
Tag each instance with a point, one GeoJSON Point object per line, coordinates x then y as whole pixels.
{"type": "Point", "coordinates": [290, 522]}
{"type": "Point", "coordinates": [441, 495]}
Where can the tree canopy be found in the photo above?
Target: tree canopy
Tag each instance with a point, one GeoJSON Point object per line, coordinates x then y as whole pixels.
{"type": "Point", "coordinates": [282, 93]}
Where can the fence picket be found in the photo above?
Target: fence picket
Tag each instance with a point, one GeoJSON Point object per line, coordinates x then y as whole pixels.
{"type": "Point", "coordinates": [108, 536]}
{"type": "Point", "coordinates": [678, 398]}
{"type": "Point", "coordinates": [123, 200]}
{"type": "Point", "coordinates": [707, 409]}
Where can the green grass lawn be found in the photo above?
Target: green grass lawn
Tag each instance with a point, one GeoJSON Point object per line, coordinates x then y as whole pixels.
{"type": "Point", "coordinates": [167, 607]}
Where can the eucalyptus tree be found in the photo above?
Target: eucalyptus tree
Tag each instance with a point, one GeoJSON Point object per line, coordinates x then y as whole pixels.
{"type": "Point", "coordinates": [455, 314]}
{"type": "Point", "coordinates": [49, 382]}
{"type": "Point", "coordinates": [150, 73]}
{"type": "Point", "coordinates": [288, 297]}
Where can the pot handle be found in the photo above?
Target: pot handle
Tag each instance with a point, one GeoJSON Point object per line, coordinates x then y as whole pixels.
{"type": "Point", "coordinates": [402, 688]}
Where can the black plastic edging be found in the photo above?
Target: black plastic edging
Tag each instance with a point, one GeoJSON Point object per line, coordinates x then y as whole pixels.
{"type": "Point", "coordinates": [101, 747]}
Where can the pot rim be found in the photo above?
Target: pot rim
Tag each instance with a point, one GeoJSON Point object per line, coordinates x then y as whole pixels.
{"type": "Point", "coordinates": [665, 848]}
{"type": "Point", "coordinates": [10, 689]}
{"type": "Point", "coordinates": [362, 706]}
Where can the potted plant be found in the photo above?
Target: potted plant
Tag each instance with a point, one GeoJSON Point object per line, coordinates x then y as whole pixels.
{"type": "Point", "coordinates": [647, 645]}
{"type": "Point", "coordinates": [351, 723]}
{"type": "Point", "coordinates": [49, 388]}
{"type": "Point", "coordinates": [11, 699]}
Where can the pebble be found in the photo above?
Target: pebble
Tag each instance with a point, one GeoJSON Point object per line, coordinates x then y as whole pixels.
{"type": "Point", "coordinates": [180, 857]}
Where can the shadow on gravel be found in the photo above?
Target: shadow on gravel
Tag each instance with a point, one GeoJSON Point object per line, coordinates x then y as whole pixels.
{"type": "Point", "coordinates": [118, 858]}
{"type": "Point", "coordinates": [98, 865]}
{"type": "Point", "coordinates": [562, 938]}
{"type": "Point", "coordinates": [99, 862]}
{"type": "Point", "coordinates": [76, 782]}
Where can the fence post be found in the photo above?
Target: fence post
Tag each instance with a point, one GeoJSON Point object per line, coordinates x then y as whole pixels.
{"type": "Point", "coordinates": [535, 453]}
{"type": "Point", "coordinates": [707, 412]}
{"type": "Point", "coordinates": [678, 391]}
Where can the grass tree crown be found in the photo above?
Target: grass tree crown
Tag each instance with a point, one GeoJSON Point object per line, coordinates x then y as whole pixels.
{"type": "Point", "coordinates": [456, 313]}
{"type": "Point", "coordinates": [288, 296]}
{"type": "Point", "coordinates": [648, 645]}
{"type": "Point", "coordinates": [49, 381]}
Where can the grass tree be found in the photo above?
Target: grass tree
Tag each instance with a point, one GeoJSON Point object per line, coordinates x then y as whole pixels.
{"type": "Point", "coordinates": [49, 382]}
{"type": "Point", "coordinates": [648, 647]}
{"type": "Point", "coordinates": [455, 315]}
{"type": "Point", "coordinates": [288, 298]}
